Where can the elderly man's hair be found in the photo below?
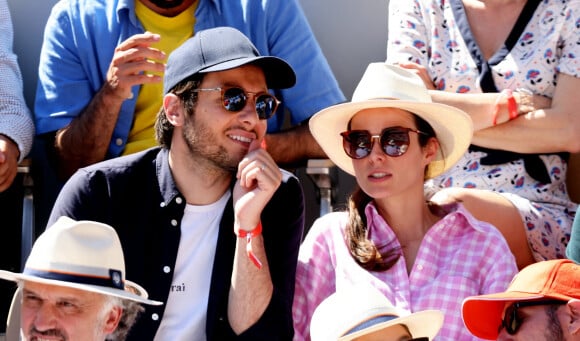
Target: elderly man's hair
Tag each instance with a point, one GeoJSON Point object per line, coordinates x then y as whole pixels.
{"type": "Point", "coordinates": [131, 311]}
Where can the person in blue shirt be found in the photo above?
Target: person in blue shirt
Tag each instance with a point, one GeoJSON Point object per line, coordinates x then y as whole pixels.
{"type": "Point", "coordinates": [101, 66]}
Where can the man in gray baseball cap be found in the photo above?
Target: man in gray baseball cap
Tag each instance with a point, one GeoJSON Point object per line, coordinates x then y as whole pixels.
{"type": "Point", "coordinates": [210, 225]}
{"type": "Point", "coordinates": [220, 49]}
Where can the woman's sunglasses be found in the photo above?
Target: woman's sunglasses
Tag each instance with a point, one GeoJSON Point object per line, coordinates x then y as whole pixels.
{"type": "Point", "coordinates": [512, 320]}
{"type": "Point", "coordinates": [235, 99]}
{"type": "Point", "coordinates": [394, 141]}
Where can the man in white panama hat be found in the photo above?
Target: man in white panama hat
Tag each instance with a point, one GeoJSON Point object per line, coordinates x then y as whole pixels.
{"type": "Point", "coordinates": [73, 285]}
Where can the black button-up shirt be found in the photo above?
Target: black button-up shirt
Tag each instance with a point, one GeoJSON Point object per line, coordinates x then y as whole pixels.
{"type": "Point", "coordinates": [136, 195]}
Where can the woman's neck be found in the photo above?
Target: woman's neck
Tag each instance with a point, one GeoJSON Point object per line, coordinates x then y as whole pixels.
{"type": "Point", "coordinates": [410, 220]}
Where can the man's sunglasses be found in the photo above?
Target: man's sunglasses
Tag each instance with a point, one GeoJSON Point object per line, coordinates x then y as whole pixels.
{"type": "Point", "coordinates": [235, 99]}
{"type": "Point", "coordinates": [394, 141]}
{"type": "Point", "coordinates": [512, 320]}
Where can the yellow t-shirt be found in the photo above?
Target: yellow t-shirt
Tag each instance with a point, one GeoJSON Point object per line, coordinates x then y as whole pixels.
{"type": "Point", "coordinates": [174, 31]}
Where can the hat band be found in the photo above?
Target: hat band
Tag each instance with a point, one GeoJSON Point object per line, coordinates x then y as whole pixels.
{"type": "Point", "coordinates": [371, 322]}
{"type": "Point", "coordinates": [115, 279]}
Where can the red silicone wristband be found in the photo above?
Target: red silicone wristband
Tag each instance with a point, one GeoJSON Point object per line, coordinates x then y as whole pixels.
{"type": "Point", "coordinates": [511, 103]}
{"type": "Point", "coordinates": [512, 106]}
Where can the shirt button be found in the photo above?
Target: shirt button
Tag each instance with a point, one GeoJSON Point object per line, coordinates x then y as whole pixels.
{"type": "Point", "coordinates": [154, 317]}
{"type": "Point", "coordinates": [162, 204]}
{"type": "Point", "coordinates": [173, 222]}
{"type": "Point", "coordinates": [119, 141]}
{"type": "Point", "coordinates": [178, 200]}
{"type": "Point", "coordinates": [166, 269]}
{"type": "Point", "coordinates": [419, 267]}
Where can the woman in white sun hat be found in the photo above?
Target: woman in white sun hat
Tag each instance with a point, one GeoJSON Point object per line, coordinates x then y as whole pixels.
{"type": "Point", "coordinates": [362, 313]}
{"type": "Point", "coordinates": [73, 285]}
{"type": "Point", "coordinates": [421, 256]}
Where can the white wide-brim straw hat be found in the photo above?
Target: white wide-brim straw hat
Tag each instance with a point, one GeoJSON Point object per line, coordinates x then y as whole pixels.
{"type": "Point", "coordinates": [390, 86]}
{"type": "Point", "coordinates": [360, 310]}
{"type": "Point", "coordinates": [83, 255]}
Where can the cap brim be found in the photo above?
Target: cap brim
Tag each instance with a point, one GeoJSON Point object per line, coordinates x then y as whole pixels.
{"type": "Point", "coordinates": [15, 277]}
{"type": "Point", "coordinates": [426, 323]}
{"type": "Point", "coordinates": [482, 315]}
{"type": "Point", "coordinates": [453, 127]}
{"type": "Point", "coordinates": [279, 74]}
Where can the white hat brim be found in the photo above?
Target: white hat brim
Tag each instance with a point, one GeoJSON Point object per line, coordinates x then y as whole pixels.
{"type": "Point", "coordinates": [453, 127]}
{"type": "Point", "coordinates": [124, 294]}
{"type": "Point", "coordinates": [416, 323]}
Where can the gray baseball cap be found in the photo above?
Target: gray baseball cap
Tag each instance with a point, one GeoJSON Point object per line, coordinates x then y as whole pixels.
{"type": "Point", "coordinates": [219, 49]}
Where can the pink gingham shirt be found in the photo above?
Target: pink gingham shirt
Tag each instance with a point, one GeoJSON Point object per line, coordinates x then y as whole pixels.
{"type": "Point", "coordinates": [458, 257]}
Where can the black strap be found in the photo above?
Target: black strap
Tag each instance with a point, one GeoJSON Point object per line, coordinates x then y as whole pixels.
{"type": "Point", "coordinates": [534, 166]}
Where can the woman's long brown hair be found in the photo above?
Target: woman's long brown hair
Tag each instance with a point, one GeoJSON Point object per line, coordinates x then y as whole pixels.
{"type": "Point", "coordinates": [364, 251]}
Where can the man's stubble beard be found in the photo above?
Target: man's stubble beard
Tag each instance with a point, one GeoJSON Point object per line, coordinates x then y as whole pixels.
{"type": "Point", "coordinates": [202, 145]}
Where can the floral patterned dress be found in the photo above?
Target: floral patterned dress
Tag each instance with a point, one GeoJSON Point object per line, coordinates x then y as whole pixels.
{"type": "Point", "coordinates": [436, 34]}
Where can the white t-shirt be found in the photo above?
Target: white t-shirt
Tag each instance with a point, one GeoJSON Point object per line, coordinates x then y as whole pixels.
{"type": "Point", "coordinates": [186, 308]}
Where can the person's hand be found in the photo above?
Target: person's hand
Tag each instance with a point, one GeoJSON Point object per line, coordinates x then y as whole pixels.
{"type": "Point", "coordinates": [421, 71]}
{"type": "Point", "coordinates": [258, 177]}
{"type": "Point", "coordinates": [135, 62]}
{"type": "Point", "coordinates": [9, 154]}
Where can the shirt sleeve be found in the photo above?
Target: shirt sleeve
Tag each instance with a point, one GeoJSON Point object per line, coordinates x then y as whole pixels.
{"type": "Point", "coordinates": [407, 33]}
{"type": "Point", "coordinates": [315, 278]}
{"type": "Point", "coordinates": [570, 64]}
{"type": "Point", "coordinates": [283, 225]}
{"type": "Point", "coordinates": [62, 90]}
{"type": "Point", "coordinates": [290, 37]}
{"type": "Point", "coordinates": [499, 266]}
{"type": "Point", "coordinates": [15, 119]}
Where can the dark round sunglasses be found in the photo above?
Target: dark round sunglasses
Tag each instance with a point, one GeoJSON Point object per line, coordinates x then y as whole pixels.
{"type": "Point", "coordinates": [394, 141]}
{"type": "Point", "coordinates": [235, 99]}
{"type": "Point", "coordinates": [512, 319]}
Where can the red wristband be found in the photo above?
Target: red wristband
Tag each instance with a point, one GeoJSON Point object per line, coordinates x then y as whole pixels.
{"type": "Point", "coordinates": [249, 235]}
{"type": "Point", "coordinates": [512, 106]}
{"type": "Point", "coordinates": [511, 103]}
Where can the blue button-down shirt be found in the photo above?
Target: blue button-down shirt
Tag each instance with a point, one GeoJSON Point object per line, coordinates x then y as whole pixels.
{"type": "Point", "coordinates": [81, 36]}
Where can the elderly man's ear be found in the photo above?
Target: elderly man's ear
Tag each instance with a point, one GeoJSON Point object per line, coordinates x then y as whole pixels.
{"type": "Point", "coordinates": [574, 310]}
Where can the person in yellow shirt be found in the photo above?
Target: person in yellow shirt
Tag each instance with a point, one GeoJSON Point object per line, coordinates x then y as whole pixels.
{"type": "Point", "coordinates": [102, 62]}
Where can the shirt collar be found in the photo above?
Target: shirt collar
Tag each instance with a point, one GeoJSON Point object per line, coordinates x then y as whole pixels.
{"type": "Point", "coordinates": [128, 7]}
{"type": "Point", "coordinates": [217, 5]}
{"type": "Point", "coordinates": [165, 180]}
{"type": "Point", "coordinates": [379, 229]}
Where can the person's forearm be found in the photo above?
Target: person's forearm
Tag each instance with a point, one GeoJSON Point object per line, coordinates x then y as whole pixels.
{"type": "Point", "coordinates": [251, 288]}
{"type": "Point", "coordinates": [86, 139]}
{"type": "Point", "coordinates": [478, 106]}
{"type": "Point", "coordinates": [533, 132]}
{"type": "Point", "coordinates": [292, 148]}
{"type": "Point", "coordinates": [540, 131]}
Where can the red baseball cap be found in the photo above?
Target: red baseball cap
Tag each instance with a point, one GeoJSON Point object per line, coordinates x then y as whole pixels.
{"type": "Point", "coordinates": [554, 279]}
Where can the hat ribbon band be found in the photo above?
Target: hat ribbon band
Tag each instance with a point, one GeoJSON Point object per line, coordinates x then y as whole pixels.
{"type": "Point", "coordinates": [113, 281]}
{"type": "Point", "coordinates": [370, 322]}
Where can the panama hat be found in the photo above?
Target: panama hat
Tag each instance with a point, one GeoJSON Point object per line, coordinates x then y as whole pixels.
{"type": "Point", "coordinates": [83, 255]}
{"type": "Point", "coordinates": [390, 86]}
{"type": "Point", "coordinates": [356, 311]}
{"type": "Point", "coordinates": [557, 279]}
